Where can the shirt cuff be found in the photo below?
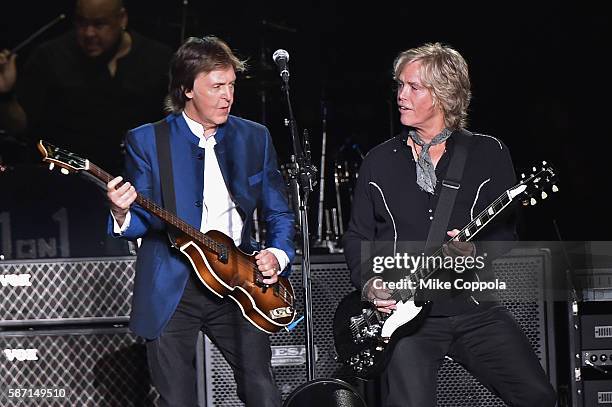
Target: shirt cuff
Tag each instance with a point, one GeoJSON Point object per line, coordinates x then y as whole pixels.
{"type": "Point", "coordinates": [119, 230]}
{"type": "Point", "coordinates": [281, 257]}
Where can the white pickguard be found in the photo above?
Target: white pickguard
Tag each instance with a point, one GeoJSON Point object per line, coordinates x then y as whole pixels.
{"type": "Point", "coordinates": [406, 311]}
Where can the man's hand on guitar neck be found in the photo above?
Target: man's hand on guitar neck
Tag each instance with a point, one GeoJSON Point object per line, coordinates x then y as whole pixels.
{"type": "Point", "coordinates": [456, 248]}
{"type": "Point", "coordinates": [120, 198]}
{"type": "Point", "coordinates": [380, 297]}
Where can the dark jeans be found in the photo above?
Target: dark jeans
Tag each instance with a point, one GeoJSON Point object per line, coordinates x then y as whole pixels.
{"type": "Point", "coordinates": [172, 356]}
{"type": "Point", "coordinates": [487, 341]}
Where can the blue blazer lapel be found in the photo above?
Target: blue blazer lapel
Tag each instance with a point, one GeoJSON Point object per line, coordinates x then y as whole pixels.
{"type": "Point", "coordinates": [229, 165]}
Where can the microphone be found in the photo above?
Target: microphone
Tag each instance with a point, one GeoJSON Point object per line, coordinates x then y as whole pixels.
{"type": "Point", "coordinates": [281, 57]}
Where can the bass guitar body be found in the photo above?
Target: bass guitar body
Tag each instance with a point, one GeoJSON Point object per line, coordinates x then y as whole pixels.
{"type": "Point", "coordinates": [269, 308]}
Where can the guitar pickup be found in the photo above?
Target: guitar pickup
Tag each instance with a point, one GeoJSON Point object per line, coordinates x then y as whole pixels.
{"type": "Point", "coordinates": [281, 312]}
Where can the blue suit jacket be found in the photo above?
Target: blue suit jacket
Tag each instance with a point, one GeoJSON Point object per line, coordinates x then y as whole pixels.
{"type": "Point", "coordinates": [247, 160]}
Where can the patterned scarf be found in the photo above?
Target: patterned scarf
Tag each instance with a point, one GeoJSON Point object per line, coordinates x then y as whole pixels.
{"type": "Point", "coordinates": [426, 173]}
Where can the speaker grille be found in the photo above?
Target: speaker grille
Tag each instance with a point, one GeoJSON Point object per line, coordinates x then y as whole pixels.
{"type": "Point", "coordinates": [524, 274]}
{"type": "Point", "coordinates": [330, 282]}
{"type": "Point", "coordinates": [105, 367]}
{"type": "Point", "coordinates": [61, 290]}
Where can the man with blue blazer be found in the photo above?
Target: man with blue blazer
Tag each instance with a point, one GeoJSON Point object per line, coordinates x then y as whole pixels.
{"type": "Point", "coordinates": [223, 167]}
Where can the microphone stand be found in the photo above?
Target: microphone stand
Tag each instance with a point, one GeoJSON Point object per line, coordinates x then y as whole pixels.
{"type": "Point", "coordinates": [302, 178]}
{"type": "Point", "coordinates": [184, 19]}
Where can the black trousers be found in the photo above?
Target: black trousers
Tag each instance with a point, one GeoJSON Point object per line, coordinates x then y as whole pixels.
{"type": "Point", "coordinates": [487, 341]}
{"type": "Point", "coordinates": [172, 356]}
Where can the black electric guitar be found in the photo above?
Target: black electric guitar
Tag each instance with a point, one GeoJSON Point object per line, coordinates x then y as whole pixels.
{"type": "Point", "coordinates": [219, 264]}
{"type": "Point", "coordinates": [364, 337]}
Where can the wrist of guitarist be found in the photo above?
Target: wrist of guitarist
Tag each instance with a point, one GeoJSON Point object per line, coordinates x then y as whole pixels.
{"type": "Point", "coordinates": [374, 292]}
{"type": "Point", "coordinates": [121, 195]}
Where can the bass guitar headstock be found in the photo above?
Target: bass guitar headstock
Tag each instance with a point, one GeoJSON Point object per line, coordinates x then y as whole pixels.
{"type": "Point", "coordinates": [66, 160]}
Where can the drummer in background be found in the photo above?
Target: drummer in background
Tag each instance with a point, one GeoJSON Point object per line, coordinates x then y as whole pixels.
{"type": "Point", "coordinates": [86, 88]}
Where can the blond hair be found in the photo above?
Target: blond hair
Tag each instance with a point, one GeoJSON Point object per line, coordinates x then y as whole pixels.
{"type": "Point", "coordinates": [445, 73]}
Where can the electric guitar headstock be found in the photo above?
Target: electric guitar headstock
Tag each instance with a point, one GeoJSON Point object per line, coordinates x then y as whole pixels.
{"type": "Point", "coordinates": [536, 185]}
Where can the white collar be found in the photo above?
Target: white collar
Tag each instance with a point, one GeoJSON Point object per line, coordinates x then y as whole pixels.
{"type": "Point", "coordinates": [196, 128]}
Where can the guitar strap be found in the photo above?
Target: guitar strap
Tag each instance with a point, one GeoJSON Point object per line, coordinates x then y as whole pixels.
{"type": "Point", "coordinates": [450, 187]}
{"type": "Point", "coordinates": [164, 159]}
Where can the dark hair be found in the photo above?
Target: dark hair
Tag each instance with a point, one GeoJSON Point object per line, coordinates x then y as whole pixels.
{"type": "Point", "coordinates": [195, 56]}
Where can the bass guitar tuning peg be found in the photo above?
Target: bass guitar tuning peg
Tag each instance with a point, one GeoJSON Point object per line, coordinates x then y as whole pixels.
{"type": "Point", "coordinates": [532, 201]}
{"type": "Point", "coordinates": [64, 171]}
{"type": "Point", "coordinates": [555, 188]}
{"type": "Point", "coordinates": [51, 165]}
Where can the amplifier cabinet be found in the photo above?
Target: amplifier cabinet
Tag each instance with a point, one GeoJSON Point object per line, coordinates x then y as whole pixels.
{"type": "Point", "coordinates": [527, 274]}
{"type": "Point", "coordinates": [596, 332]}
{"type": "Point", "coordinates": [330, 282]}
{"type": "Point", "coordinates": [525, 271]}
{"type": "Point", "coordinates": [78, 367]}
{"type": "Point", "coordinates": [597, 393]}
{"type": "Point", "coordinates": [66, 291]}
